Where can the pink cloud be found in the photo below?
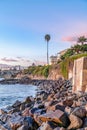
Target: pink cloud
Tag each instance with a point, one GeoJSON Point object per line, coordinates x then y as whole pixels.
{"type": "Point", "coordinates": [9, 60]}
{"type": "Point", "coordinates": [73, 38]}
{"type": "Point", "coordinates": [69, 39]}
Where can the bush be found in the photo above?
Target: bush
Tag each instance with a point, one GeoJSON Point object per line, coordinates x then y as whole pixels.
{"type": "Point", "coordinates": [38, 70]}
{"type": "Point", "coordinates": [76, 49]}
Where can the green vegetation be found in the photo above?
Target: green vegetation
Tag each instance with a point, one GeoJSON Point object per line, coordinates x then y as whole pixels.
{"type": "Point", "coordinates": [38, 70]}
{"type": "Point", "coordinates": [66, 60]}
{"type": "Point", "coordinates": [75, 52]}
{"type": "Point", "coordinates": [76, 49]}
{"type": "Point", "coordinates": [82, 39]}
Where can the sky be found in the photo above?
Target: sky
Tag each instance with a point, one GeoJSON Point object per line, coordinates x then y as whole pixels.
{"type": "Point", "coordinates": [24, 23]}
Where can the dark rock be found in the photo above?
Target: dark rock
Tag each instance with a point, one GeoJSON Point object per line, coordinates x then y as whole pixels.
{"type": "Point", "coordinates": [79, 111]}
{"type": "Point", "coordinates": [40, 106]}
{"type": "Point", "coordinates": [22, 106]}
{"type": "Point", "coordinates": [28, 100]}
{"type": "Point", "coordinates": [25, 80]}
{"type": "Point", "coordinates": [56, 107]}
{"type": "Point", "coordinates": [85, 122]}
{"type": "Point", "coordinates": [68, 102]}
{"type": "Point", "coordinates": [16, 104]}
{"type": "Point", "coordinates": [32, 111]}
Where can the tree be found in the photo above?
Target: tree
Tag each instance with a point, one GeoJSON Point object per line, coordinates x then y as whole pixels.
{"type": "Point", "coordinates": [76, 48]}
{"type": "Point", "coordinates": [82, 40]}
{"type": "Point", "coordinates": [67, 54]}
{"type": "Point", "coordinates": [84, 48]}
{"type": "Point", "coordinates": [47, 38]}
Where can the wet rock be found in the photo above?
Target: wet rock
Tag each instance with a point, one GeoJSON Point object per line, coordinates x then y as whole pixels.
{"type": "Point", "coordinates": [17, 109]}
{"type": "Point", "coordinates": [22, 106]}
{"type": "Point", "coordinates": [76, 122]}
{"type": "Point", "coordinates": [2, 111]}
{"type": "Point", "coordinates": [16, 104]}
{"type": "Point", "coordinates": [15, 121]}
{"type": "Point", "coordinates": [56, 116]}
{"type": "Point", "coordinates": [25, 80]}
{"type": "Point", "coordinates": [28, 99]}
{"type": "Point", "coordinates": [4, 117]}
{"type": "Point", "coordinates": [9, 81]}
{"type": "Point", "coordinates": [8, 108]}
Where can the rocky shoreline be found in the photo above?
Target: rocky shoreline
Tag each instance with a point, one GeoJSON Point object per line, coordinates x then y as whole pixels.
{"type": "Point", "coordinates": [55, 107]}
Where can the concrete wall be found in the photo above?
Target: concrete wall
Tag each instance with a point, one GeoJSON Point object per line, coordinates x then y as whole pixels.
{"type": "Point", "coordinates": [80, 75]}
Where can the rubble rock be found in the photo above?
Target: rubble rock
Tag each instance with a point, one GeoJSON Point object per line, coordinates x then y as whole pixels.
{"type": "Point", "coordinates": [76, 122]}
{"type": "Point", "coordinates": [55, 116]}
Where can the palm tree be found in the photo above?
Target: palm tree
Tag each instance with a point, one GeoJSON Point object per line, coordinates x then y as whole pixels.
{"type": "Point", "coordinates": [82, 39]}
{"type": "Point", "coordinates": [76, 48]}
{"type": "Point", "coordinates": [47, 38]}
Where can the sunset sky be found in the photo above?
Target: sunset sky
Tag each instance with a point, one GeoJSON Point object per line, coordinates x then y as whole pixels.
{"type": "Point", "coordinates": [24, 23]}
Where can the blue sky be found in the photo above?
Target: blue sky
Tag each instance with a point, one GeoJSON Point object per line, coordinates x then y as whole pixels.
{"type": "Point", "coordinates": [23, 24]}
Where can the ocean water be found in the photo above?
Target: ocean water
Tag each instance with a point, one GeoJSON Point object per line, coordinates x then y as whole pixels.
{"type": "Point", "coordinates": [10, 93]}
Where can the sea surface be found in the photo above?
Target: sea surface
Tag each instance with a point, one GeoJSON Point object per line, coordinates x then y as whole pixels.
{"type": "Point", "coordinates": [10, 93]}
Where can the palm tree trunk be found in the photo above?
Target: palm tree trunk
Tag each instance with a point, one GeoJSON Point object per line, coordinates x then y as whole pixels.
{"type": "Point", "coordinates": [82, 43]}
{"type": "Point", "coordinates": [47, 54]}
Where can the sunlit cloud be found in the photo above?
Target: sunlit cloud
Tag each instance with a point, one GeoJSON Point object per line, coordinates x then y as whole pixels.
{"type": "Point", "coordinates": [69, 39]}
{"type": "Point", "coordinates": [9, 60]}
{"type": "Point", "coordinates": [73, 38]}
{"type": "Point", "coordinates": [15, 61]}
